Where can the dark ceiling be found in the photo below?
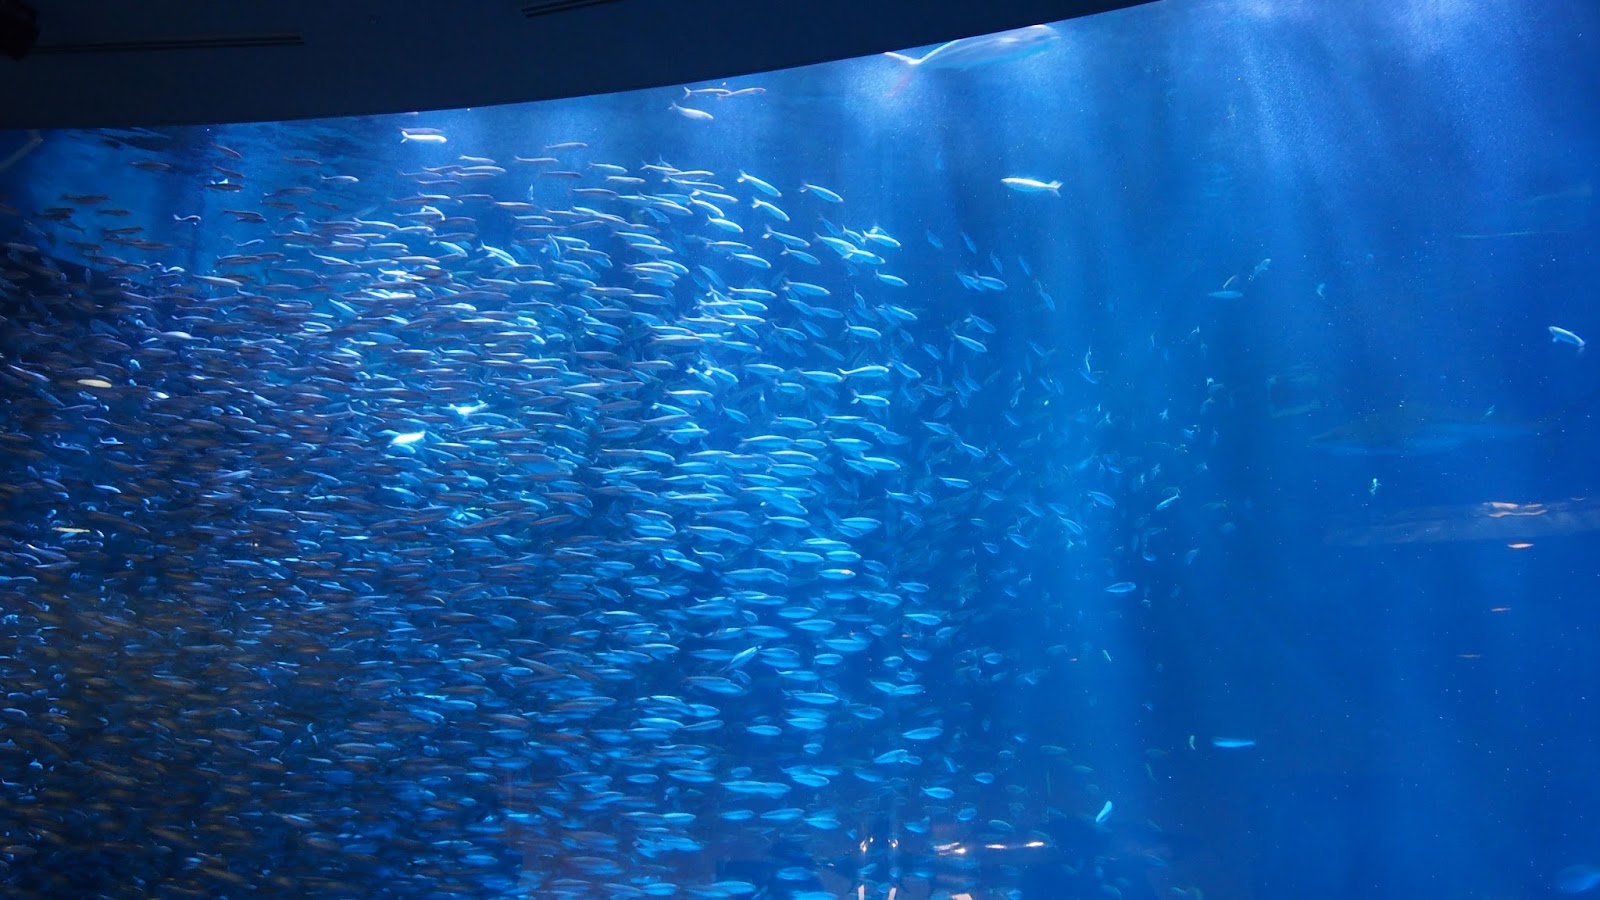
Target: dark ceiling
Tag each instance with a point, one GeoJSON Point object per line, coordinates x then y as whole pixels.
{"type": "Point", "coordinates": [101, 63]}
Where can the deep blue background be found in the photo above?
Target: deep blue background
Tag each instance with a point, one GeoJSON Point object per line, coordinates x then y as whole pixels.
{"type": "Point", "coordinates": [1412, 741]}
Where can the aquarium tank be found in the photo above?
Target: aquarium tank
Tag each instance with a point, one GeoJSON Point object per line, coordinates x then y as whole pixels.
{"type": "Point", "coordinates": [1146, 455]}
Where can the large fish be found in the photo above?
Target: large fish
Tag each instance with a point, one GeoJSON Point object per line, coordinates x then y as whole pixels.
{"type": "Point", "coordinates": [1564, 211]}
{"type": "Point", "coordinates": [1493, 520]}
{"type": "Point", "coordinates": [971, 53]}
{"type": "Point", "coordinates": [1417, 431]}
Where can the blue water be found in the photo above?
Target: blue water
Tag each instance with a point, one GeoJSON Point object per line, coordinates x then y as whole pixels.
{"type": "Point", "coordinates": [435, 563]}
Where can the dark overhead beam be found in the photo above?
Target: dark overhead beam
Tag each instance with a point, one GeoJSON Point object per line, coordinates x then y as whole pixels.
{"type": "Point", "coordinates": [108, 63]}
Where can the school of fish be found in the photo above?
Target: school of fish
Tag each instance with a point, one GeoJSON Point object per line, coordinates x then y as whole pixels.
{"type": "Point", "coordinates": [553, 527]}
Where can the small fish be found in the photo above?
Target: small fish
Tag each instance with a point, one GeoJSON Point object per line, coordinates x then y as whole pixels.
{"type": "Point", "coordinates": [740, 658]}
{"type": "Point", "coordinates": [1232, 743]}
{"type": "Point", "coordinates": [698, 115]}
{"type": "Point", "coordinates": [769, 209]}
{"type": "Point", "coordinates": [1032, 186]}
{"type": "Point", "coordinates": [610, 454]}
{"type": "Point", "coordinates": [758, 184]}
{"type": "Point", "coordinates": [1563, 336]}
{"type": "Point", "coordinates": [822, 192]}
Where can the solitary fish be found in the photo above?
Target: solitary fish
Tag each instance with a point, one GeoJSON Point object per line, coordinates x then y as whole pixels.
{"type": "Point", "coordinates": [1563, 336]}
{"type": "Point", "coordinates": [1032, 186]}
{"type": "Point", "coordinates": [422, 136]}
{"type": "Point", "coordinates": [698, 115]}
{"type": "Point", "coordinates": [970, 53]}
